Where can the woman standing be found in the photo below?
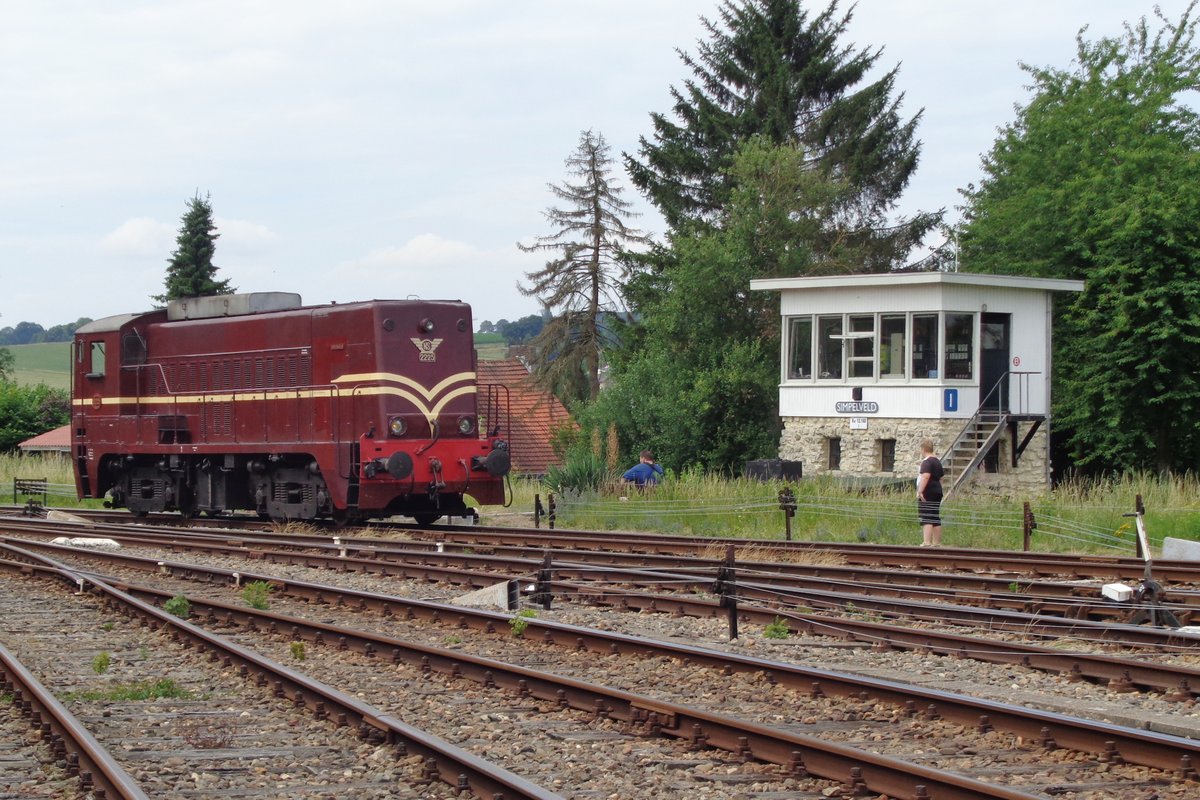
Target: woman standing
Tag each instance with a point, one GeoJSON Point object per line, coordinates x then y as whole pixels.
{"type": "Point", "coordinates": [929, 496]}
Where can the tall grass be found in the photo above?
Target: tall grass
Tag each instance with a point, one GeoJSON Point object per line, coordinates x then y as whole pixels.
{"type": "Point", "coordinates": [55, 468]}
{"type": "Point", "coordinates": [1079, 516]}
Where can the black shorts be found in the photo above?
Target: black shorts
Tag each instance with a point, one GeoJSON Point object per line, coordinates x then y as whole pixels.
{"type": "Point", "coordinates": [929, 512]}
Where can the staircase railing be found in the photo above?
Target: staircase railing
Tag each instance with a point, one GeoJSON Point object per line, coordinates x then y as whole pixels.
{"type": "Point", "coordinates": [994, 416]}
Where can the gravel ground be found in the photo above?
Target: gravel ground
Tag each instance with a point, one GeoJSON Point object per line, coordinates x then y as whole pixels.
{"type": "Point", "coordinates": [1002, 683]}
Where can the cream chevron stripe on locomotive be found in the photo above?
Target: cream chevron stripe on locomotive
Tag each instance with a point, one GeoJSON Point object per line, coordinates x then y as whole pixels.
{"type": "Point", "coordinates": [252, 395]}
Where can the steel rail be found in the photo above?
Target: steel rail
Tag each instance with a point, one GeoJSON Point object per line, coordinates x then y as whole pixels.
{"type": "Point", "coordinates": [1120, 674]}
{"type": "Point", "coordinates": [1107, 741]}
{"type": "Point", "coordinates": [765, 572]}
{"type": "Point", "coordinates": [862, 553]}
{"type": "Point", "coordinates": [802, 755]}
{"type": "Point", "coordinates": [67, 737]}
{"type": "Point", "coordinates": [351, 555]}
{"type": "Point", "coordinates": [453, 765]}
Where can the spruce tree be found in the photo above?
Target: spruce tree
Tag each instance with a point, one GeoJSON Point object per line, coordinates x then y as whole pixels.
{"type": "Point", "coordinates": [581, 283]}
{"type": "Point", "coordinates": [770, 69]}
{"type": "Point", "coordinates": [190, 270]}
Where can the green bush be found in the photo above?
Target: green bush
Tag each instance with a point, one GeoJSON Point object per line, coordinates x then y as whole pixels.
{"type": "Point", "coordinates": [179, 606]}
{"type": "Point", "coordinates": [521, 621]}
{"type": "Point", "coordinates": [257, 595]}
{"type": "Point", "coordinates": [101, 662]}
{"type": "Point", "coordinates": [778, 629]}
{"type": "Point", "coordinates": [26, 411]}
{"type": "Point", "coordinates": [584, 471]}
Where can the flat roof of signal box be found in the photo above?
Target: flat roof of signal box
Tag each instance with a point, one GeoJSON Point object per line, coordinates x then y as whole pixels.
{"type": "Point", "coordinates": [898, 279]}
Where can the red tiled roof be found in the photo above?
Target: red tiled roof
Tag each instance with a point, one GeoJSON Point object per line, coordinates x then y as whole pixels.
{"type": "Point", "coordinates": [58, 439]}
{"type": "Point", "coordinates": [535, 414]}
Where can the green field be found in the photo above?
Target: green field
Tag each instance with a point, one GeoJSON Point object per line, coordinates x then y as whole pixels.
{"type": "Point", "coordinates": [48, 363]}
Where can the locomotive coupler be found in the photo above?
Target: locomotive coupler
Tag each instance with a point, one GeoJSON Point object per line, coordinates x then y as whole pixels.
{"type": "Point", "coordinates": [436, 483]}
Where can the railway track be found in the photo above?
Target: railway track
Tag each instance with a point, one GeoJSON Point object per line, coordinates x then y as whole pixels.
{"type": "Point", "coordinates": [537, 695]}
{"type": "Point", "coordinates": [1030, 565]}
{"type": "Point", "coordinates": [760, 602]}
{"type": "Point", "coordinates": [1103, 755]}
{"type": "Point", "coordinates": [208, 727]}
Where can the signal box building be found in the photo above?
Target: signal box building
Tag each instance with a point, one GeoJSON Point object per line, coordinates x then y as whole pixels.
{"type": "Point", "coordinates": [873, 364]}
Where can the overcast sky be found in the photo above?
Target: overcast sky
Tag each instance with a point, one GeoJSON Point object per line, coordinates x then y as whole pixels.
{"type": "Point", "coordinates": [378, 148]}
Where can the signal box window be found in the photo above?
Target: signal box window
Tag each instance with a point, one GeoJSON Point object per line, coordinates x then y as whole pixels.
{"type": "Point", "coordinates": [95, 367]}
{"type": "Point", "coordinates": [835, 452]}
{"type": "Point", "coordinates": [960, 346]}
{"type": "Point", "coordinates": [925, 345]}
{"type": "Point", "coordinates": [799, 348]}
{"type": "Point", "coordinates": [862, 347]}
{"type": "Point", "coordinates": [829, 347]}
{"type": "Point", "coordinates": [891, 346]}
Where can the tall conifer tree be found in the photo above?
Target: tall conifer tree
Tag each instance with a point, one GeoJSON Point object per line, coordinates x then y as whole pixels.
{"type": "Point", "coordinates": [581, 282]}
{"type": "Point", "coordinates": [190, 270]}
{"type": "Point", "coordinates": [770, 69]}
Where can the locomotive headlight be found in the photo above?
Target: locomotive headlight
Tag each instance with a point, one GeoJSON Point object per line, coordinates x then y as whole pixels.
{"type": "Point", "coordinates": [426, 325]}
{"type": "Point", "coordinates": [466, 425]}
{"type": "Point", "coordinates": [397, 426]}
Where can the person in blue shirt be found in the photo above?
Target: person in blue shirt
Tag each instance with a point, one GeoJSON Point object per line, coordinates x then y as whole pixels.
{"type": "Point", "coordinates": [645, 472]}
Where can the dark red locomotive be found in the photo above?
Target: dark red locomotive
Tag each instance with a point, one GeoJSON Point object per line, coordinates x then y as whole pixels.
{"type": "Point", "coordinates": [254, 402]}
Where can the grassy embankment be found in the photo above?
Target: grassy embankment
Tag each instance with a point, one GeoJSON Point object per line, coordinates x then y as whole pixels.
{"type": "Point", "coordinates": [48, 363]}
{"type": "Point", "coordinates": [1078, 516]}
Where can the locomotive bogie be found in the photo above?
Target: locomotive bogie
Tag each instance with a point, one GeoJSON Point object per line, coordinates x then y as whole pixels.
{"type": "Point", "coordinates": [341, 411]}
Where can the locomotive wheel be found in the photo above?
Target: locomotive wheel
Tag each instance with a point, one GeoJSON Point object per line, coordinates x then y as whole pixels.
{"type": "Point", "coordinates": [426, 519]}
{"type": "Point", "coordinates": [340, 518]}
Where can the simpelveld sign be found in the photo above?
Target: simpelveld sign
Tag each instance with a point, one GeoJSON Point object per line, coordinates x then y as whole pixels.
{"type": "Point", "coordinates": [856, 407]}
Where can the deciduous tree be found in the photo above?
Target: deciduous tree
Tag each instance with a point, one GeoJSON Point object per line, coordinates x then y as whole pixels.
{"type": "Point", "coordinates": [26, 411]}
{"type": "Point", "coordinates": [190, 270]}
{"type": "Point", "coordinates": [1096, 180]}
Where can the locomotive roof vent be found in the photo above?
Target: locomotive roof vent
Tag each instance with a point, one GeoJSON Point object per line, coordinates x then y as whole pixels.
{"type": "Point", "coordinates": [231, 305]}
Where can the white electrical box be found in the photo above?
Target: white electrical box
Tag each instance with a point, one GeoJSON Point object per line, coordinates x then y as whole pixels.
{"type": "Point", "coordinates": [1117, 591]}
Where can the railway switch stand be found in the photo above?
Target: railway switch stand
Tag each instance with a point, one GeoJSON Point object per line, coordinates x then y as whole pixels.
{"type": "Point", "coordinates": [1150, 595]}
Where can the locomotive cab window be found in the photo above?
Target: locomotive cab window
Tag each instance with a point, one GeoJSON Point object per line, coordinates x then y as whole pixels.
{"type": "Point", "coordinates": [94, 353]}
{"type": "Point", "coordinates": [133, 349]}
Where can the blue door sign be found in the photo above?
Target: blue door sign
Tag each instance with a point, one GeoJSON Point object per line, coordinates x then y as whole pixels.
{"type": "Point", "coordinates": [950, 400]}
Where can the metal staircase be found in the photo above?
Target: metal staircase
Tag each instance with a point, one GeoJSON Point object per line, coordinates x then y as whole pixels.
{"type": "Point", "coordinates": [1000, 411]}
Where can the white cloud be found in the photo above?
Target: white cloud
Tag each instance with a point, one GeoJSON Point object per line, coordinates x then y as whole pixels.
{"type": "Point", "coordinates": [243, 235]}
{"type": "Point", "coordinates": [421, 252]}
{"type": "Point", "coordinates": [140, 236]}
